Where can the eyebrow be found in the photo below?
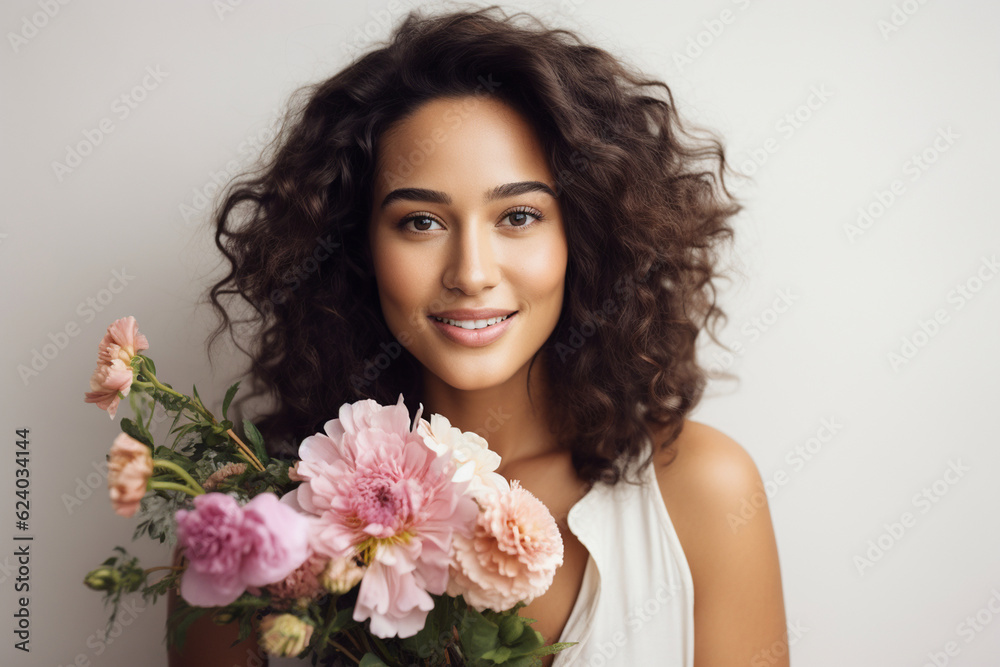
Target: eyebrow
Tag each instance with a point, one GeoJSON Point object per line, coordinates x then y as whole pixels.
{"type": "Point", "coordinates": [438, 197]}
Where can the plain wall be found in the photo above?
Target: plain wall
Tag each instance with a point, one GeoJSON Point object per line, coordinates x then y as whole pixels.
{"type": "Point", "coordinates": [829, 105]}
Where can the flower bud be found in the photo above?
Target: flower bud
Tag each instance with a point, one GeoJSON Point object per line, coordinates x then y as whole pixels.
{"type": "Point", "coordinates": [102, 579]}
{"type": "Point", "coordinates": [341, 575]}
{"type": "Point", "coordinates": [284, 635]}
{"type": "Point", "coordinates": [223, 617]}
{"type": "Point", "coordinates": [511, 629]}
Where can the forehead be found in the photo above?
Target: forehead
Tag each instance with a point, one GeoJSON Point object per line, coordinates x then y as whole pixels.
{"type": "Point", "coordinates": [454, 141]}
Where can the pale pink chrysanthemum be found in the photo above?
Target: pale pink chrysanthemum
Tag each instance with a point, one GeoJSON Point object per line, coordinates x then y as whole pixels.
{"type": "Point", "coordinates": [381, 494]}
{"type": "Point", "coordinates": [130, 465]}
{"type": "Point", "coordinates": [512, 555]}
{"type": "Point", "coordinates": [113, 376]}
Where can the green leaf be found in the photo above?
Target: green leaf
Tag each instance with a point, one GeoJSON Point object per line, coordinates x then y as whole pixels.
{"type": "Point", "coordinates": [553, 648]}
{"type": "Point", "coordinates": [149, 362]}
{"type": "Point", "coordinates": [479, 635]}
{"type": "Point", "coordinates": [135, 431]}
{"type": "Point", "coordinates": [371, 660]}
{"type": "Point", "coordinates": [230, 393]}
{"type": "Point", "coordinates": [256, 440]}
{"type": "Point", "coordinates": [498, 655]}
{"type": "Point", "coordinates": [343, 618]}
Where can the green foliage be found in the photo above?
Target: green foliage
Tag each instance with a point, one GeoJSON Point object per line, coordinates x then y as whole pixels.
{"type": "Point", "coordinates": [199, 444]}
{"type": "Point", "coordinates": [230, 393]}
{"type": "Point", "coordinates": [137, 431]}
{"type": "Point", "coordinates": [116, 576]}
{"type": "Point", "coordinates": [256, 441]}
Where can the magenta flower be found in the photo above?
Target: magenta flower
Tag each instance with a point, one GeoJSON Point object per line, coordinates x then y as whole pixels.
{"type": "Point", "coordinates": [231, 547]}
{"type": "Point", "coordinates": [384, 496]}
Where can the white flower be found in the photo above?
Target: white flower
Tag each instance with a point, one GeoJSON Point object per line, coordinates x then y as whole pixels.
{"type": "Point", "coordinates": [475, 460]}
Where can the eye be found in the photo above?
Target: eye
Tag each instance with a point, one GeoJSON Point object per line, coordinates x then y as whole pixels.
{"type": "Point", "coordinates": [518, 216]}
{"type": "Point", "coordinates": [418, 221]}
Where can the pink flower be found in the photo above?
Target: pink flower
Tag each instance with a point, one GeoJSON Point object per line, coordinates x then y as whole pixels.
{"type": "Point", "coordinates": [112, 378]}
{"type": "Point", "coordinates": [129, 468]}
{"type": "Point", "coordinates": [512, 555]}
{"type": "Point", "coordinates": [231, 547]}
{"type": "Point", "coordinates": [303, 583]}
{"type": "Point", "coordinates": [382, 495]}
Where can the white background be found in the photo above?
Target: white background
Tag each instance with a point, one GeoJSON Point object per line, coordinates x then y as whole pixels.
{"type": "Point", "coordinates": [227, 70]}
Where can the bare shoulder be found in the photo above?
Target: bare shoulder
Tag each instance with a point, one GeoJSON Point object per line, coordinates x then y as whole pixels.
{"type": "Point", "coordinates": [706, 469]}
{"type": "Point", "coordinates": [705, 478]}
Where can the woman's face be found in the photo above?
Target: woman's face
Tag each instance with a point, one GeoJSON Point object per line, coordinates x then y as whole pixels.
{"type": "Point", "coordinates": [466, 230]}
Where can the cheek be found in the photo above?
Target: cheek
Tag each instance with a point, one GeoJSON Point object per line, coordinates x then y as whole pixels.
{"type": "Point", "coordinates": [542, 270]}
{"type": "Point", "coordinates": [400, 277]}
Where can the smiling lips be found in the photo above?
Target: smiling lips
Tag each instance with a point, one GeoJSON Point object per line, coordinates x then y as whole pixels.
{"type": "Point", "coordinates": [473, 327]}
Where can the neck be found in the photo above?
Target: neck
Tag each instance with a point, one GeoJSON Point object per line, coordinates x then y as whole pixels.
{"type": "Point", "coordinates": [514, 427]}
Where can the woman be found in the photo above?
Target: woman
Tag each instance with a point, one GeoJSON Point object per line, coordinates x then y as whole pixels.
{"type": "Point", "coordinates": [510, 227]}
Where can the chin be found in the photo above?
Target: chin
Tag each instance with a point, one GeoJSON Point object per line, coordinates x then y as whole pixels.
{"type": "Point", "coordinates": [473, 380]}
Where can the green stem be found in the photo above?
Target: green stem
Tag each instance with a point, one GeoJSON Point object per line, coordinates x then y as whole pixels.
{"type": "Point", "coordinates": [180, 472]}
{"type": "Point", "coordinates": [174, 486]}
{"type": "Point", "coordinates": [164, 388]}
{"type": "Point", "coordinates": [195, 405]}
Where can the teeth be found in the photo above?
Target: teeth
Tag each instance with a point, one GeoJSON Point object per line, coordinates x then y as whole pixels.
{"type": "Point", "coordinates": [471, 324]}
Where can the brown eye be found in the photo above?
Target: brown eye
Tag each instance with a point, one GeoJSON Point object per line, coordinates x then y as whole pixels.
{"type": "Point", "coordinates": [421, 223]}
{"type": "Point", "coordinates": [520, 217]}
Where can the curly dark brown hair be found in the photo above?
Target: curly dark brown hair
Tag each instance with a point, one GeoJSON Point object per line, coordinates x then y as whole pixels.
{"type": "Point", "coordinates": [643, 199]}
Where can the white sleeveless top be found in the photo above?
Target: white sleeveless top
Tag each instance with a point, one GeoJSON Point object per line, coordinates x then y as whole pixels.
{"type": "Point", "coordinates": [636, 604]}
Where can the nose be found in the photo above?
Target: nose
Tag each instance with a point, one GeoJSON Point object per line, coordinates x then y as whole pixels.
{"type": "Point", "coordinates": [472, 261]}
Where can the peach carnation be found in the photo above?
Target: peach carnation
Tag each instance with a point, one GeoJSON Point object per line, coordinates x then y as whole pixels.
{"type": "Point", "coordinates": [512, 555]}
{"type": "Point", "coordinates": [112, 378]}
{"type": "Point", "coordinates": [129, 469]}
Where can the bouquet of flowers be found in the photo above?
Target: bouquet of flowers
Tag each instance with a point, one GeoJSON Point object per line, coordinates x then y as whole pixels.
{"type": "Point", "coordinates": [386, 543]}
